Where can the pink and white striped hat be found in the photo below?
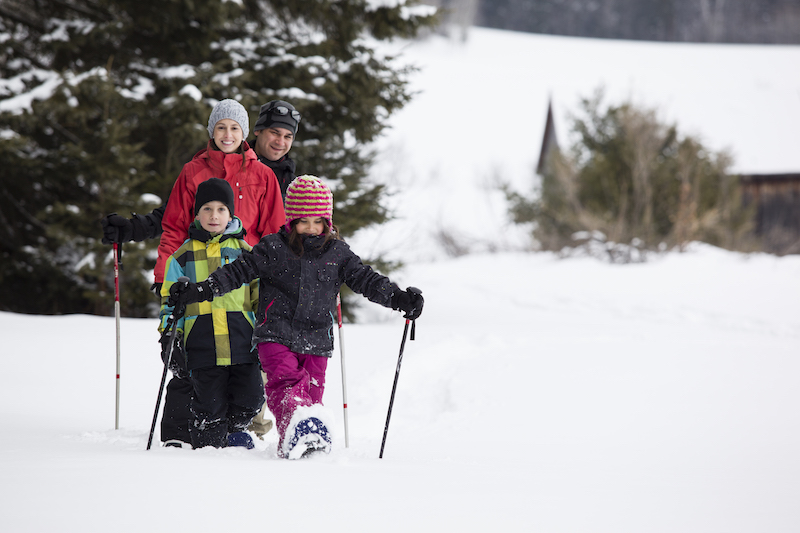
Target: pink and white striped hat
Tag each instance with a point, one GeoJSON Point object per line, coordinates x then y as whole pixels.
{"type": "Point", "coordinates": [307, 196]}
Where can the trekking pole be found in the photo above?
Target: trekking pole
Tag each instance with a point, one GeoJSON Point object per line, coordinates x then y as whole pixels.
{"type": "Point", "coordinates": [117, 254]}
{"type": "Point", "coordinates": [396, 376]}
{"type": "Point", "coordinates": [344, 380]}
{"type": "Point", "coordinates": [172, 324]}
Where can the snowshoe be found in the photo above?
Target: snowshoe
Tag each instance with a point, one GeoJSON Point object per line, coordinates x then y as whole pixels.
{"type": "Point", "coordinates": [310, 436]}
{"type": "Point", "coordinates": [241, 439]}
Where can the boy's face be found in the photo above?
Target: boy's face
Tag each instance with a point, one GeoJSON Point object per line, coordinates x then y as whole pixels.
{"type": "Point", "coordinates": [214, 217]}
{"type": "Point", "coordinates": [228, 135]}
{"type": "Point", "coordinates": [310, 226]}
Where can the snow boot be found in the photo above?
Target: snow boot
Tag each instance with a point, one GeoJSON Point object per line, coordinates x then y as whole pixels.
{"type": "Point", "coordinates": [242, 439]}
{"type": "Point", "coordinates": [310, 437]}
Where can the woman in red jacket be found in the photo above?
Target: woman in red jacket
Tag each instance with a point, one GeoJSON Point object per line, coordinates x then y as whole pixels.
{"type": "Point", "coordinates": [257, 195]}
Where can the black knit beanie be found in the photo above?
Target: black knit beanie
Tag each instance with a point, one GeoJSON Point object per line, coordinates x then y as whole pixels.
{"type": "Point", "coordinates": [278, 114]}
{"type": "Point", "coordinates": [211, 190]}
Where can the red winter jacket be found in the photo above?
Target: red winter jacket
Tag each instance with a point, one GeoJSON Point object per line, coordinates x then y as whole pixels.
{"type": "Point", "coordinates": [257, 198]}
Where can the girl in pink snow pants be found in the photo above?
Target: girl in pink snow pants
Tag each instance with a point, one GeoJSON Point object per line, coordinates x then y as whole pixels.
{"type": "Point", "coordinates": [301, 269]}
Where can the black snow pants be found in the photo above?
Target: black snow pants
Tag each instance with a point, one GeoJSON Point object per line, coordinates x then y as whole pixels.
{"type": "Point", "coordinates": [224, 400]}
{"type": "Point", "coordinates": [176, 416]}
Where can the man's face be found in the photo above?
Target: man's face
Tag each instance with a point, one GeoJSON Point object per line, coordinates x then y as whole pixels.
{"type": "Point", "coordinates": [273, 143]}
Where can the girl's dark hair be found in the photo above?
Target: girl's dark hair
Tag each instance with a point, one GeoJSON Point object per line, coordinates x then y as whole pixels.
{"type": "Point", "coordinates": [296, 240]}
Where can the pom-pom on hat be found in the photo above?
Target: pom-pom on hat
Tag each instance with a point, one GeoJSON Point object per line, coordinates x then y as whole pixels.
{"type": "Point", "coordinates": [213, 189]}
{"type": "Point", "coordinates": [307, 196]}
{"type": "Point", "coordinates": [229, 109]}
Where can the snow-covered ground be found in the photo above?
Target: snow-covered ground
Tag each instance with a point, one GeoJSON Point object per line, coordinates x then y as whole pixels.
{"type": "Point", "coordinates": [540, 394]}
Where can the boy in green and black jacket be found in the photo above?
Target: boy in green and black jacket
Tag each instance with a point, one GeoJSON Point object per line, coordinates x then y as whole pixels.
{"type": "Point", "coordinates": [216, 336]}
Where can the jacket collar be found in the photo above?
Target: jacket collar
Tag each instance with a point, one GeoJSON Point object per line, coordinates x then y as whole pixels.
{"type": "Point", "coordinates": [234, 230]}
{"type": "Point", "coordinates": [220, 158]}
{"type": "Point", "coordinates": [281, 165]}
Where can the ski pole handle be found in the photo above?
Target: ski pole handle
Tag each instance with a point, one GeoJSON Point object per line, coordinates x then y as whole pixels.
{"type": "Point", "coordinates": [178, 307]}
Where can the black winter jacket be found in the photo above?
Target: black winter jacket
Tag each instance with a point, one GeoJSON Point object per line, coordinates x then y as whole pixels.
{"type": "Point", "coordinates": [284, 170]}
{"type": "Point", "coordinates": [147, 226]}
{"type": "Point", "coordinates": [297, 295]}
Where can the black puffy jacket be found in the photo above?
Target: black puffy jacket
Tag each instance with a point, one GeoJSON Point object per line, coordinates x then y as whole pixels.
{"type": "Point", "coordinates": [297, 295]}
{"type": "Point", "coordinates": [284, 170]}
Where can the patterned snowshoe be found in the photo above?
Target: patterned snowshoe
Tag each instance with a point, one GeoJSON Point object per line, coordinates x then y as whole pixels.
{"type": "Point", "coordinates": [310, 437]}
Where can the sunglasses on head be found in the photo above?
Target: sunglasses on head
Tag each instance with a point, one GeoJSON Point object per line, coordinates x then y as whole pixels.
{"type": "Point", "coordinates": [283, 110]}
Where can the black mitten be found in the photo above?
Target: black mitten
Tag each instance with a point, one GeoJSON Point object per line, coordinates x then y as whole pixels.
{"type": "Point", "coordinates": [409, 301]}
{"type": "Point", "coordinates": [155, 288]}
{"type": "Point", "coordinates": [184, 292]}
{"type": "Point", "coordinates": [116, 229]}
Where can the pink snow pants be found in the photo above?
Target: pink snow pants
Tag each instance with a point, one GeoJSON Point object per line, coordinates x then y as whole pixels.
{"type": "Point", "coordinates": [293, 380]}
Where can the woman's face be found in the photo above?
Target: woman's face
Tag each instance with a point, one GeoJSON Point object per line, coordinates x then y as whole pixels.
{"type": "Point", "coordinates": [228, 135]}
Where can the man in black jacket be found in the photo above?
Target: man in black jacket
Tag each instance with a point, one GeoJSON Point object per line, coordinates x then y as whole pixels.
{"type": "Point", "coordinates": [275, 131]}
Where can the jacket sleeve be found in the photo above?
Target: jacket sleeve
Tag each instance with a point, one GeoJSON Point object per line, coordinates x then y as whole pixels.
{"type": "Point", "coordinates": [234, 275]}
{"type": "Point", "coordinates": [177, 216]}
{"type": "Point", "coordinates": [148, 226]}
{"type": "Point", "coordinates": [271, 215]}
{"type": "Point", "coordinates": [174, 270]}
{"type": "Point", "coordinates": [365, 281]}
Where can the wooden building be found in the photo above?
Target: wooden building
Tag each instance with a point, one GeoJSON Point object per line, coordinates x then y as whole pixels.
{"type": "Point", "coordinates": [777, 201]}
{"type": "Point", "coordinates": [549, 140]}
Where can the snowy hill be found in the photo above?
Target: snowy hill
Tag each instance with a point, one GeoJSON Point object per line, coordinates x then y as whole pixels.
{"type": "Point", "coordinates": [540, 395]}
{"type": "Point", "coordinates": [481, 109]}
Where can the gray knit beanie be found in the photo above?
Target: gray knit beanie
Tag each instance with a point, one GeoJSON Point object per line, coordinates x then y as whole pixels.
{"type": "Point", "coordinates": [229, 109]}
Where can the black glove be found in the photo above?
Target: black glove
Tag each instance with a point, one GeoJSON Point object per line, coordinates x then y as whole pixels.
{"type": "Point", "coordinates": [409, 301]}
{"type": "Point", "coordinates": [116, 229]}
{"type": "Point", "coordinates": [184, 292]}
{"type": "Point", "coordinates": [155, 288]}
{"type": "Point", "coordinates": [177, 363]}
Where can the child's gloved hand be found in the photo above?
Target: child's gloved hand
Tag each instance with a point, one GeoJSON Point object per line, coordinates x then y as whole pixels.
{"type": "Point", "coordinates": [184, 292]}
{"type": "Point", "coordinates": [116, 229]}
{"type": "Point", "coordinates": [409, 301]}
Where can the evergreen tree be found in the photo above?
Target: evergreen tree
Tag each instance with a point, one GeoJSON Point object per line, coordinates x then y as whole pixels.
{"type": "Point", "coordinates": [103, 101]}
{"type": "Point", "coordinates": [636, 181]}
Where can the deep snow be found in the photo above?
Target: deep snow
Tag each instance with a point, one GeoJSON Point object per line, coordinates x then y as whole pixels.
{"type": "Point", "coordinates": [540, 395]}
